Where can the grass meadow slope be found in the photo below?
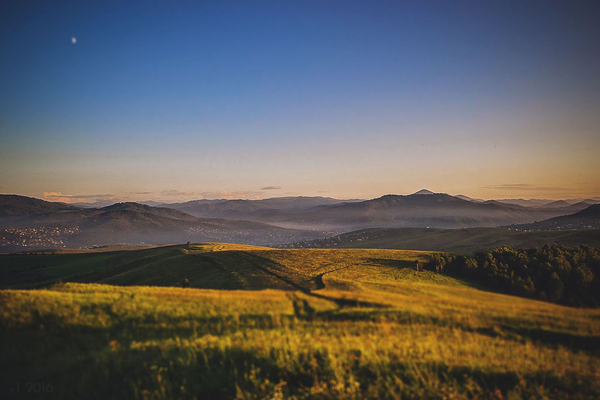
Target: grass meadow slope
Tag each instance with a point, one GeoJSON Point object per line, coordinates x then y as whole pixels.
{"type": "Point", "coordinates": [264, 323]}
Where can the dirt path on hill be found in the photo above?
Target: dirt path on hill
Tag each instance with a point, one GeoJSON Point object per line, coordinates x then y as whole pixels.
{"type": "Point", "coordinates": [258, 262]}
{"type": "Point", "coordinates": [318, 280]}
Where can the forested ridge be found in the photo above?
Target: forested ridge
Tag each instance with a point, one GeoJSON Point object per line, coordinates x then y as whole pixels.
{"type": "Point", "coordinates": [554, 273]}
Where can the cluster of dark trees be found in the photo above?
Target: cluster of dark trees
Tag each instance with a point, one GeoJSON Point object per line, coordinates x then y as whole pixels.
{"type": "Point", "coordinates": [554, 273]}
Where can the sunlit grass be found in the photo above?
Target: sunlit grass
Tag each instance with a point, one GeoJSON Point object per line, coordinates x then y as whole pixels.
{"type": "Point", "coordinates": [372, 327]}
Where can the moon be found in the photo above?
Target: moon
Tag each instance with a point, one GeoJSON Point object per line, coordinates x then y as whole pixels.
{"type": "Point", "coordinates": [73, 40]}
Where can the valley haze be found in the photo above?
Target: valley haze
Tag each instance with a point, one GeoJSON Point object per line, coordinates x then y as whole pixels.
{"type": "Point", "coordinates": [34, 224]}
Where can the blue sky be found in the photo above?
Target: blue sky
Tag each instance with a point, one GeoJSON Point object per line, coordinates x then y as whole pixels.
{"type": "Point", "coordinates": [180, 100]}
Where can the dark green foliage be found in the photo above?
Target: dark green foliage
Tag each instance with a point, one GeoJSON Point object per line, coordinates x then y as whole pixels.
{"type": "Point", "coordinates": [554, 273]}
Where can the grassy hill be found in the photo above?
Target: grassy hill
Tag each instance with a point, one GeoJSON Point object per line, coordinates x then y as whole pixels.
{"type": "Point", "coordinates": [464, 241]}
{"type": "Point", "coordinates": [206, 265]}
{"type": "Point", "coordinates": [312, 323]}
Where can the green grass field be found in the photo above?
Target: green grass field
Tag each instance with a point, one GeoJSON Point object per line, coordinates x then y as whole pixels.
{"type": "Point", "coordinates": [263, 323]}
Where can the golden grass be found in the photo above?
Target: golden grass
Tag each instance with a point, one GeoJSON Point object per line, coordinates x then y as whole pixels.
{"type": "Point", "coordinates": [376, 330]}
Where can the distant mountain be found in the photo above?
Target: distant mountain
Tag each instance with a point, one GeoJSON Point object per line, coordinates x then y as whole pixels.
{"type": "Point", "coordinates": [592, 200]}
{"type": "Point", "coordinates": [588, 218]}
{"type": "Point", "coordinates": [505, 205]}
{"type": "Point", "coordinates": [421, 209]}
{"type": "Point", "coordinates": [106, 203]}
{"type": "Point", "coordinates": [263, 222]}
{"type": "Point", "coordinates": [417, 210]}
{"type": "Point", "coordinates": [526, 203]}
{"type": "Point", "coordinates": [35, 223]}
{"type": "Point", "coordinates": [557, 204]}
{"type": "Point", "coordinates": [591, 212]}
{"type": "Point", "coordinates": [423, 191]}
{"type": "Point", "coordinates": [463, 197]}
{"type": "Point", "coordinates": [558, 209]}
{"type": "Point", "coordinates": [96, 204]}
{"type": "Point", "coordinates": [252, 209]}
{"type": "Point", "coordinates": [152, 203]}
{"type": "Point", "coordinates": [582, 205]}
{"type": "Point", "coordinates": [15, 205]}
{"type": "Point", "coordinates": [545, 203]}
{"type": "Point", "coordinates": [130, 227]}
{"type": "Point", "coordinates": [143, 208]}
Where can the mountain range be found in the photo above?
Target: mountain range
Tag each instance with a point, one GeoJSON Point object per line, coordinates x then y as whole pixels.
{"type": "Point", "coordinates": [32, 223]}
{"type": "Point", "coordinates": [253, 209]}
{"type": "Point", "coordinates": [541, 203]}
{"type": "Point", "coordinates": [29, 221]}
{"type": "Point", "coordinates": [421, 209]}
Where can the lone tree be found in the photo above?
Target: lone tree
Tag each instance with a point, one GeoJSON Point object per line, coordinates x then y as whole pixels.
{"type": "Point", "coordinates": [185, 283]}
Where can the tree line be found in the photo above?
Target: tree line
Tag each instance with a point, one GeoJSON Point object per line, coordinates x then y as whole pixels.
{"type": "Point", "coordinates": [554, 273]}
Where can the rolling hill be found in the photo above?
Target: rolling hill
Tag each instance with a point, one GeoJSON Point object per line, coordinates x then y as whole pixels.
{"type": "Point", "coordinates": [269, 323]}
{"type": "Point", "coordinates": [206, 265]}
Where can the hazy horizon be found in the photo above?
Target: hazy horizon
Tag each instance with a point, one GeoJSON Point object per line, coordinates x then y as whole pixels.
{"type": "Point", "coordinates": [112, 101]}
{"type": "Point", "coordinates": [110, 199]}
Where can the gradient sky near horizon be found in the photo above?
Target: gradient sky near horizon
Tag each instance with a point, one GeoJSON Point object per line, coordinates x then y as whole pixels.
{"type": "Point", "coordinates": [178, 100]}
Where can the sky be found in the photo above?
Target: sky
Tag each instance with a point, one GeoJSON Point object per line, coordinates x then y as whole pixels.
{"type": "Point", "coordinates": [174, 101]}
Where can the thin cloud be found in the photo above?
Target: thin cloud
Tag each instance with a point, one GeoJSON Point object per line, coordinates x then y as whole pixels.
{"type": "Point", "coordinates": [271, 188]}
{"type": "Point", "coordinates": [178, 193]}
{"type": "Point", "coordinates": [224, 194]}
{"type": "Point", "coordinates": [525, 186]}
{"type": "Point", "coordinates": [76, 198]}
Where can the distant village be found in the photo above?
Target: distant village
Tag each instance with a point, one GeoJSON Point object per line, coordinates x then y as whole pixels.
{"type": "Point", "coordinates": [44, 236]}
{"type": "Point", "coordinates": [13, 239]}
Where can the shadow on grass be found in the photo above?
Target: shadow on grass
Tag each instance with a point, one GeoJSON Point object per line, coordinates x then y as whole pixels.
{"type": "Point", "coordinates": [269, 267]}
{"type": "Point", "coordinates": [222, 372]}
{"type": "Point", "coordinates": [152, 326]}
{"type": "Point", "coordinates": [571, 341]}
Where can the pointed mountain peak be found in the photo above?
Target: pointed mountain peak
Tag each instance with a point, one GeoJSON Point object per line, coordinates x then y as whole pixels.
{"type": "Point", "coordinates": [424, 191]}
